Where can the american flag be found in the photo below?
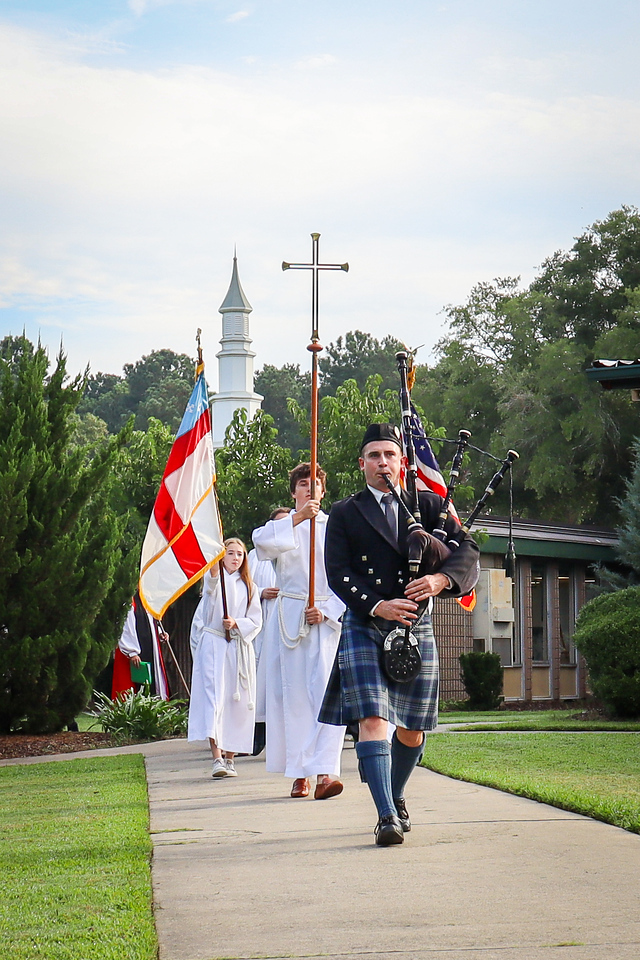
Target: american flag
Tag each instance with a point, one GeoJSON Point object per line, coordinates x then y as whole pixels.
{"type": "Point", "coordinates": [429, 475]}
{"type": "Point", "coordinates": [184, 536]}
{"type": "Point", "coordinates": [430, 478]}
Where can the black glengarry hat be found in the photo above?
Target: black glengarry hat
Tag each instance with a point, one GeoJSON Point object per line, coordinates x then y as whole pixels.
{"type": "Point", "coordinates": [381, 431]}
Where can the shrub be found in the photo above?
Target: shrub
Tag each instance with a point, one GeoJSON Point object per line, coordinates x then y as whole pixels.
{"type": "Point", "coordinates": [608, 636]}
{"type": "Point", "coordinates": [139, 716]}
{"type": "Point", "coordinates": [482, 679]}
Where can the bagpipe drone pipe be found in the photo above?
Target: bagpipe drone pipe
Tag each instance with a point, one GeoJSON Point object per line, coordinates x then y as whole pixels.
{"type": "Point", "coordinates": [428, 551]}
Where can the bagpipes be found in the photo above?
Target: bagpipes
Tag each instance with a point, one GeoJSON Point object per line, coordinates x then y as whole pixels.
{"type": "Point", "coordinates": [428, 551]}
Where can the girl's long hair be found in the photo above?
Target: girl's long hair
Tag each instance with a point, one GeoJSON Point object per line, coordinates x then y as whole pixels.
{"type": "Point", "coordinates": [243, 570]}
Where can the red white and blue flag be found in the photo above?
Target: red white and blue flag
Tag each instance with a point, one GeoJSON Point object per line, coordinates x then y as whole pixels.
{"type": "Point", "coordinates": [184, 536]}
{"type": "Point", "coordinates": [430, 478]}
{"type": "Point", "coordinates": [429, 475]}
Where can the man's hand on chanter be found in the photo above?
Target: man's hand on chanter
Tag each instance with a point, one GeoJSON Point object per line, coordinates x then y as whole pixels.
{"type": "Point", "coordinates": [402, 611]}
{"type": "Point", "coordinates": [425, 587]}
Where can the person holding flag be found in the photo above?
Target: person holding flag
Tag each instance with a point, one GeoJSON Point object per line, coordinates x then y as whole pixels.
{"type": "Point", "coordinates": [223, 682]}
{"type": "Point", "coordinates": [184, 535]}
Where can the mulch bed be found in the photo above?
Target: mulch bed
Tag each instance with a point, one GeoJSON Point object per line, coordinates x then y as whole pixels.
{"type": "Point", "coordinates": [17, 745]}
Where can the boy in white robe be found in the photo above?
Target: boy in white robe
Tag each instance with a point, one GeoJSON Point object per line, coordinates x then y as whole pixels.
{"type": "Point", "coordinates": [300, 644]}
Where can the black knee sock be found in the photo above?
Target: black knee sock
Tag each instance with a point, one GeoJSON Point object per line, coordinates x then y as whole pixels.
{"type": "Point", "coordinates": [374, 763]}
{"type": "Point", "coordinates": [403, 761]}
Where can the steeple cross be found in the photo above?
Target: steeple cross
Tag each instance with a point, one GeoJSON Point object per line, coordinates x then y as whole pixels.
{"type": "Point", "coordinates": [315, 267]}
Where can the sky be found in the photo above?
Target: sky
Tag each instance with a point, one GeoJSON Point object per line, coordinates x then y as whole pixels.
{"type": "Point", "coordinates": [433, 145]}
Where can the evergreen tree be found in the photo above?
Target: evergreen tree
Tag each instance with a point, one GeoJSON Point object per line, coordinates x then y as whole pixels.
{"type": "Point", "coordinates": [63, 581]}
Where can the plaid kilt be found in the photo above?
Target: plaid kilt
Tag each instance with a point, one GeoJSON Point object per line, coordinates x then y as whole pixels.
{"type": "Point", "coordinates": [359, 688]}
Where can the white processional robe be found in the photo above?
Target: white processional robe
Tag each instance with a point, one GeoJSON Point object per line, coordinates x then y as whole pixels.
{"type": "Point", "coordinates": [263, 574]}
{"type": "Point", "coordinates": [223, 680]}
{"type": "Point", "coordinates": [298, 658]}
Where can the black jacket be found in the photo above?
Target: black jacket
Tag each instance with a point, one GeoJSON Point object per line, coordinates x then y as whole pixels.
{"type": "Point", "coordinates": [363, 563]}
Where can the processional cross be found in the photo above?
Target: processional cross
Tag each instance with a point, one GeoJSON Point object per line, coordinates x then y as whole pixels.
{"type": "Point", "coordinates": [315, 347]}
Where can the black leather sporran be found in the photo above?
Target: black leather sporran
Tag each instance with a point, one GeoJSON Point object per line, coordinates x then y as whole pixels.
{"type": "Point", "coordinates": [401, 660]}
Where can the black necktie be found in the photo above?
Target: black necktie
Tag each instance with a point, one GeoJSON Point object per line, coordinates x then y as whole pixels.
{"type": "Point", "coordinates": [390, 514]}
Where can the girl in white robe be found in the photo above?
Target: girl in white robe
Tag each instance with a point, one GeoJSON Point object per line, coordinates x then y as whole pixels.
{"type": "Point", "coordinates": [223, 681]}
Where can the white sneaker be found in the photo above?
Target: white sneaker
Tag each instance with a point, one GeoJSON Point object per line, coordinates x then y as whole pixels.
{"type": "Point", "coordinates": [230, 767]}
{"type": "Point", "coordinates": [219, 769]}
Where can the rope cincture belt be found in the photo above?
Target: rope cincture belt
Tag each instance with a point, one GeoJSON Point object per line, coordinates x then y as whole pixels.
{"type": "Point", "coordinates": [246, 665]}
{"type": "Point", "coordinates": [303, 627]}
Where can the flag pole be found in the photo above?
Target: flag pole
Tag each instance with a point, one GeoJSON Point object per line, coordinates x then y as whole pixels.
{"type": "Point", "coordinates": [315, 347]}
{"type": "Point", "coordinates": [165, 638]}
{"type": "Point", "coordinates": [223, 589]}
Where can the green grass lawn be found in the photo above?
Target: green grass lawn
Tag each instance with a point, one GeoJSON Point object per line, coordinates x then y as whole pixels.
{"type": "Point", "coordinates": [489, 716]}
{"type": "Point", "coordinates": [534, 720]}
{"type": "Point", "coordinates": [75, 861]}
{"type": "Point", "coordinates": [597, 774]}
{"type": "Point", "coordinates": [86, 722]}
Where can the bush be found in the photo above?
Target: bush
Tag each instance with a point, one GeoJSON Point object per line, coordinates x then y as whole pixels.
{"type": "Point", "coordinates": [608, 636]}
{"type": "Point", "coordinates": [139, 716]}
{"type": "Point", "coordinates": [482, 679]}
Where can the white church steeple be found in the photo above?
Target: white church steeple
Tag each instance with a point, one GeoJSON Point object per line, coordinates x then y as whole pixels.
{"type": "Point", "coordinates": [235, 361]}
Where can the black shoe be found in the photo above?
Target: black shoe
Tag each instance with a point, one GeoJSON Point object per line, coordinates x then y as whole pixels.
{"type": "Point", "coordinates": [259, 739]}
{"type": "Point", "coordinates": [388, 830]}
{"type": "Point", "coordinates": [403, 814]}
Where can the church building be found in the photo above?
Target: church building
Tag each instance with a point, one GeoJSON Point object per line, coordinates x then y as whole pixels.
{"type": "Point", "coordinates": [235, 361]}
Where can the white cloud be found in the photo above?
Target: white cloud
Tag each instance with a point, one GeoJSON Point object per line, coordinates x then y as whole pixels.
{"type": "Point", "coordinates": [240, 15]}
{"type": "Point", "coordinates": [124, 191]}
{"type": "Point", "coordinates": [313, 63]}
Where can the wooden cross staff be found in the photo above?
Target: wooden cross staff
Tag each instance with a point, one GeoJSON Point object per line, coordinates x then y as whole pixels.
{"type": "Point", "coordinates": [315, 347]}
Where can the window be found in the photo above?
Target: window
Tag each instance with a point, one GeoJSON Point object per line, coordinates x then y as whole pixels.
{"type": "Point", "coordinates": [539, 625]}
{"type": "Point", "coordinates": [566, 614]}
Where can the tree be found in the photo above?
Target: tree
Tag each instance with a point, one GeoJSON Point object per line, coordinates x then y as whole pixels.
{"type": "Point", "coordinates": [277, 385]}
{"type": "Point", "coordinates": [62, 574]}
{"type": "Point", "coordinates": [253, 474]}
{"type": "Point", "coordinates": [588, 286]}
{"type": "Point", "coordinates": [608, 636]}
{"type": "Point", "coordinates": [158, 385]}
{"type": "Point", "coordinates": [511, 369]}
{"type": "Point", "coordinates": [461, 392]}
{"type": "Point", "coordinates": [342, 421]}
{"type": "Point", "coordinates": [357, 357]}
{"type": "Point", "coordinates": [137, 477]}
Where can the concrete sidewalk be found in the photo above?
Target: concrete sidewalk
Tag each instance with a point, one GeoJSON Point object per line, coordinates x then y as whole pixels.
{"type": "Point", "coordinates": [240, 870]}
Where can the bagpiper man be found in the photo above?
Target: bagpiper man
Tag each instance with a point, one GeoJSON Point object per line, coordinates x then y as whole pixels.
{"type": "Point", "coordinates": [367, 567]}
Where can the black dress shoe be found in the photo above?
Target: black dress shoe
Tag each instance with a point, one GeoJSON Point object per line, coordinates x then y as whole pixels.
{"type": "Point", "coordinates": [388, 830]}
{"type": "Point", "coordinates": [403, 814]}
